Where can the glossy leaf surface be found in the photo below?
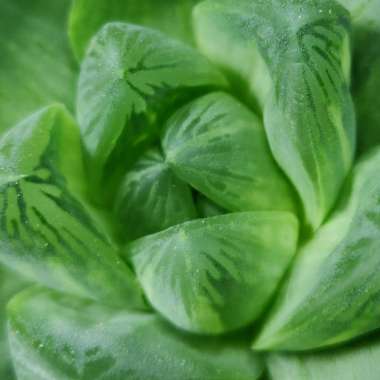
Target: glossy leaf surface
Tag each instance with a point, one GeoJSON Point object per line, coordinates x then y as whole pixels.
{"type": "Point", "coordinates": [301, 75]}
{"type": "Point", "coordinates": [87, 16]}
{"type": "Point", "coordinates": [34, 71]}
{"type": "Point", "coordinates": [47, 230]}
{"type": "Point", "coordinates": [219, 147]}
{"type": "Point", "coordinates": [152, 198]}
{"type": "Point", "coordinates": [129, 74]}
{"type": "Point", "coordinates": [333, 293]}
{"type": "Point", "coordinates": [217, 274]}
{"type": "Point", "coordinates": [114, 345]}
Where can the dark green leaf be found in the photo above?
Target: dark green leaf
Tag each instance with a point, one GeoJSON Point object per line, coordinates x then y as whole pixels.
{"type": "Point", "coordinates": [152, 198]}
{"type": "Point", "coordinates": [333, 292]}
{"type": "Point", "coordinates": [129, 75]}
{"type": "Point", "coordinates": [57, 337]}
{"type": "Point", "coordinates": [296, 57]}
{"type": "Point", "coordinates": [217, 274]}
{"type": "Point", "coordinates": [219, 147]}
{"type": "Point", "coordinates": [48, 232]}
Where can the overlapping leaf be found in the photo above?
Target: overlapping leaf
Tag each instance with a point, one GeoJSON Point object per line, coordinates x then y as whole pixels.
{"type": "Point", "coordinates": [47, 231]}
{"type": "Point", "coordinates": [296, 55]}
{"type": "Point", "coordinates": [152, 198]}
{"type": "Point", "coordinates": [333, 293]}
{"type": "Point", "coordinates": [87, 16]}
{"type": "Point", "coordinates": [219, 147]}
{"type": "Point", "coordinates": [130, 75]}
{"type": "Point", "coordinates": [217, 274]}
{"type": "Point", "coordinates": [62, 338]}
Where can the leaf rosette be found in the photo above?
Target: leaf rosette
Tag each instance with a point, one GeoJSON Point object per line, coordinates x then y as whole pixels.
{"type": "Point", "coordinates": [199, 210]}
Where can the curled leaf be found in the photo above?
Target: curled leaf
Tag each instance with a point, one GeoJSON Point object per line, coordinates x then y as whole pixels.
{"type": "Point", "coordinates": [129, 76]}
{"type": "Point", "coordinates": [219, 147]}
{"type": "Point", "coordinates": [217, 274]}
{"type": "Point", "coordinates": [296, 55]}
{"type": "Point", "coordinates": [332, 294]}
{"type": "Point", "coordinates": [152, 198]}
{"type": "Point", "coordinates": [57, 337]}
{"type": "Point", "coordinates": [48, 231]}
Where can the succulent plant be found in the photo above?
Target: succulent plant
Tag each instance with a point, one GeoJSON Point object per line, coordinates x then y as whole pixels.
{"type": "Point", "coordinates": [189, 190]}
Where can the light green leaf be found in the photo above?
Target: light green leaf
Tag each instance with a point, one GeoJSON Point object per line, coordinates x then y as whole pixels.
{"type": "Point", "coordinates": [48, 232]}
{"type": "Point", "coordinates": [130, 75]}
{"type": "Point", "coordinates": [217, 274]}
{"type": "Point", "coordinates": [354, 362]}
{"type": "Point", "coordinates": [333, 292]}
{"type": "Point", "coordinates": [219, 147]}
{"type": "Point", "coordinates": [87, 16]}
{"type": "Point", "coordinates": [57, 337]}
{"type": "Point", "coordinates": [152, 198]}
{"type": "Point", "coordinates": [36, 66]}
{"type": "Point", "coordinates": [296, 55]}
{"type": "Point", "coordinates": [10, 284]}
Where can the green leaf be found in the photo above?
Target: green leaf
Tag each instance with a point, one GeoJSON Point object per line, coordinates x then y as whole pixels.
{"type": "Point", "coordinates": [358, 361]}
{"type": "Point", "coordinates": [57, 337]}
{"type": "Point", "coordinates": [333, 292]}
{"type": "Point", "coordinates": [48, 232]}
{"type": "Point", "coordinates": [219, 147]}
{"type": "Point", "coordinates": [10, 284]}
{"type": "Point", "coordinates": [130, 75]}
{"type": "Point", "coordinates": [366, 69]}
{"type": "Point", "coordinates": [216, 274]}
{"type": "Point", "coordinates": [36, 66]}
{"type": "Point", "coordinates": [152, 198]}
{"type": "Point", "coordinates": [297, 55]}
{"type": "Point", "coordinates": [87, 16]}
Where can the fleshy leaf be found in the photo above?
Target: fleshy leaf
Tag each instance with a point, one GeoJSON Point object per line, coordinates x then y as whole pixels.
{"type": "Point", "coordinates": [10, 284]}
{"type": "Point", "coordinates": [57, 337]}
{"type": "Point", "coordinates": [152, 198]}
{"type": "Point", "coordinates": [219, 147]}
{"type": "Point", "coordinates": [87, 16]}
{"type": "Point", "coordinates": [47, 230]}
{"type": "Point", "coordinates": [217, 274]}
{"type": "Point", "coordinates": [296, 55]}
{"type": "Point", "coordinates": [36, 66]}
{"type": "Point", "coordinates": [333, 292]}
{"type": "Point", "coordinates": [358, 361]}
{"type": "Point", "coordinates": [130, 75]}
